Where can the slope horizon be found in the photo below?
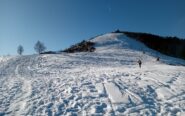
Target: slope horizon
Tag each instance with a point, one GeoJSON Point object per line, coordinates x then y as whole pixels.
{"type": "Point", "coordinates": [61, 49]}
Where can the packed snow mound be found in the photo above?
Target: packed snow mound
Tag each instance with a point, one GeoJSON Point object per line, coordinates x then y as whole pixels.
{"type": "Point", "coordinates": [105, 82]}
{"type": "Point", "coordinates": [118, 40]}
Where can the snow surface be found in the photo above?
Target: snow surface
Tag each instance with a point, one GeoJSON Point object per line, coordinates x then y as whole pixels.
{"type": "Point", "coordinates": [106, 82]}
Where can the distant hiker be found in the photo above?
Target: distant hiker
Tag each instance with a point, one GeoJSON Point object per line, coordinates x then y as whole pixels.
{"type": "Point", "coordinates": [157, 59]}
{"type": "Point", "coordinates": [139, 62]}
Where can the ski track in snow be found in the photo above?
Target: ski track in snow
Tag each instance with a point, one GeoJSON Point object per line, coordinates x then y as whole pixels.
{"type": "Point", "coordinates": [19, 105]}
{"type": "Point", "coordinates": [107, 82]}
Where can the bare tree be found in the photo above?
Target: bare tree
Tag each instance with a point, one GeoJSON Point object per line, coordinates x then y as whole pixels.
{"type": "Point", "coordinates": [20, 49]}
{"type": "Point", "coordinates": [39, 47]}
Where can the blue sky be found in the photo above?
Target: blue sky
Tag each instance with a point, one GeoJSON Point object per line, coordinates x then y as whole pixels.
{"type": "Point", "coordinates": [61, 23]}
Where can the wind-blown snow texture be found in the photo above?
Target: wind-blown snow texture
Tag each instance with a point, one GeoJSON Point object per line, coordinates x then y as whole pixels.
{"type": "Point", "coordinates": [106, 82]}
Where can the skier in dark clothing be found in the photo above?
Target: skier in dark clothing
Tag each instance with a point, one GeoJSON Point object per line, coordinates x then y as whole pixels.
{"type": "Point", "coordinates": [139, 62]}
{"type": "Point", "coordinates": [157, 59]}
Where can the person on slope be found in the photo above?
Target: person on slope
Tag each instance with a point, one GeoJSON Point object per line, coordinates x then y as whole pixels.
{"type": "Point", "coordinates": [158, 59]}
{"type": "Point", "coordinates": [139, 62]}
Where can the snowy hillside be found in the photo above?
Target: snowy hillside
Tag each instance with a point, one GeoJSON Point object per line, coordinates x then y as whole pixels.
{"type": "Point", "coordinates": [105, 82]}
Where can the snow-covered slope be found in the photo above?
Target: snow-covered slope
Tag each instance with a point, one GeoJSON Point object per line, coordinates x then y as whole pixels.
{"type": "Point", "coordinates": [106, 82]}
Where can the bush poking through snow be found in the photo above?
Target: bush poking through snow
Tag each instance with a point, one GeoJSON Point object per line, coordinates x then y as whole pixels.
{"type": "Point", "coordinates": [49, 52]}
{"type": "Point", "coordinates": [84, 46]}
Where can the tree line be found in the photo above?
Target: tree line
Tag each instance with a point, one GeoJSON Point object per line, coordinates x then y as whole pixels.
{"type": "Point", "coordinates": [172, 46]}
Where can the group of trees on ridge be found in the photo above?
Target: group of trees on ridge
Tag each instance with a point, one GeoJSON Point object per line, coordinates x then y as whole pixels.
{"type": "Point", "coordinates": [172, 46]}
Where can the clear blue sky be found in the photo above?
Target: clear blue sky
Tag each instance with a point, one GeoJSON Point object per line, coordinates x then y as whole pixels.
{"type": "Point", "coordinates": [60, 23]}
